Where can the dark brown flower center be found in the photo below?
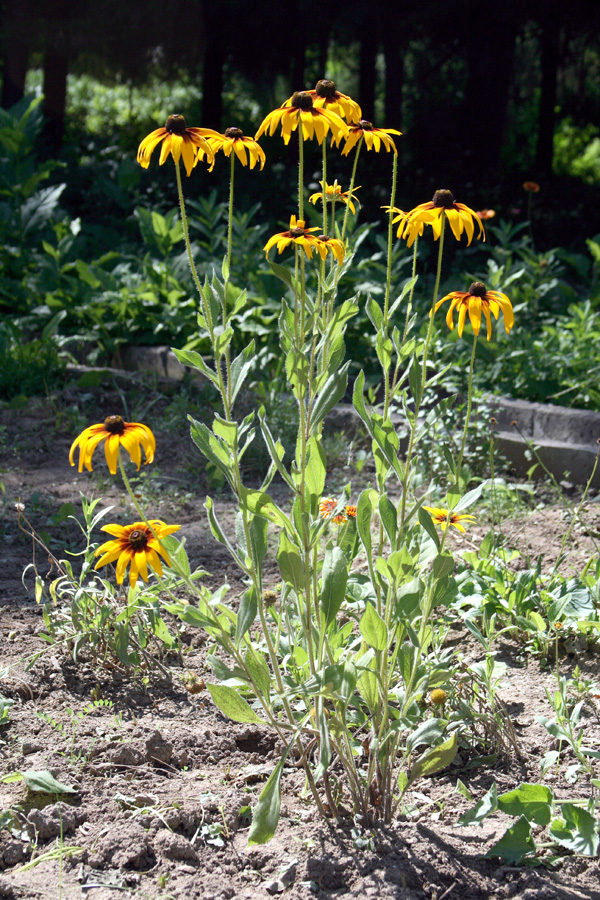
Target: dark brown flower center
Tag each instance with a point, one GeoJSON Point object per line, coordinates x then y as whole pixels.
{"type": "Point", "coordinates": [478, 289]}
{"type": "Point", "coordinates": [323, 237]}
{"type": "Point", "coordinates": [234, 132]}
{"type": "Point", "coordinates": [302, 100]}
{"type": "Point", "coordinates": [176, 124]}
{"type": "Point", "coordinates": [365, 125]}
{"type": "Point", "coordinates": [296, 232]}
{"type": "Point", "coordinates": [138, 539]}
{"type": "Point", "coordinates": [444, 199]}
{"type": "Point", "coordinates": [114, 425]}
{"type": "Point", "coordinates": [325, 88]}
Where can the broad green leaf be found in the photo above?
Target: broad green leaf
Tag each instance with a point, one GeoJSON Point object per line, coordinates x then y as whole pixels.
{"type": "Point", "coordinates": [232, 705]}
{"type": "Point", "coordinates": [578, 831]}
{"type": "Point", "coordinates": [316, 469]}
{"type": "Point", "coordinates": [283, 274]}
{"type": "Point", "coordinates": [261, 504]}
{"type": "Point", "coordinates": [368, 689]}
{"type": "Point", "coordinates": [265, 814]}
{"type": "Point", "coordinates": [425, 733]}
{"type": "Point", "coordinates": [435, 759]}
{"type": "Point", "coordinates": [443, 565]}
{"type": "Point", "coordinates": [488, 804]}
{"type": "Point", "coordinates": [515, 843]}
{"type": "Point", "coordinates": [246, 614]}
{"type": "Point", "coordinates": [290, 563]}
{"type": "Point", "coordinates": [427, 522]}
{"type": "Point", "coordinates": [258, 540]}
{"type": "Point", "coordinates": [389, 518]}
{"type": "Point", "coordinates": [240, 367]}
{"type": "Point", "coordinates": [470, 498]}
{"type": "Point", "coordinates": [45, 781]}
{"type": "Point", "coordinates": [534, 801]}
{"type": "Point", "coordinates": [194, 359]}
{"type": "Point", "coordinates": [259, 671]}
{"type": "Point", "coordinates": [373, 628]}
{"type": "Point", "coordinates": [331, 393]}
{"type": "Point", "coordinates": [334, 580]}
{"type": "Point", "coordinates": [364, 513]}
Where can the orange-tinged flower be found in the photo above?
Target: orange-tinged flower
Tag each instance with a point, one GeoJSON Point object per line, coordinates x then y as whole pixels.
{"type": "Point", "coordinates": [444, 518]}
{"type": "Point", "coordinates": [177, 140]}
{"type": "Point", "coordinates": [339, 519]}
{"type": "Point", "coordinates": [475, 301]}
{"type": "Point", "coordinates": [334, 246]}
{"type": "Point", "coordinates": [325, 96]}
{"type": "Point", "coordinates": [138, 545]}
{"type": "Point", "coordinates": [484, 214]}
{"type": "Point", "coordinates": [299, 109]}
{"type": "Point", "coordinates": [351, 512]}
{"type": "Point", "coordinates": [460, 218]}
{"type": "Point", "coordinates": [374, 138]}
{"type": "Point", "coordinates": [532, 187]}
{"type": "Point", "coordinates": [132, 436]}
{"type": "Point", "coordinates": [246, 149]}
{"type": "Point", "coordinates": [334, 192]}
{"type": "Point", "coordinates": [327, 506]}
{"type": "Point", "coordinates": [298, 234]}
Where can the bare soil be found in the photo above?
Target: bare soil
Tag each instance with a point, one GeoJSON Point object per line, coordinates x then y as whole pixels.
{"type": "Point", "coordinates": [160, 768]}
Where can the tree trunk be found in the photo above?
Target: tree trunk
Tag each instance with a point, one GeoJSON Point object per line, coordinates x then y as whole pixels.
{"type": "Point", "coordinates": [549, 65]}
{"type": "Point", "coordinates": [17, 18]}
{"type": "Point", "coordinates": [367, 73]}
{"type": "Point", "coordinates": [56, 69]}
{"type": "Point", "coordinates": [212, 80]}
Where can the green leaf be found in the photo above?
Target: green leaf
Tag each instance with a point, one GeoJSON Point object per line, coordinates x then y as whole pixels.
{"type": "Point", "coordinates": [332, 392]}
{"type": "Point", "coordinates": [373, 628]}
{"type": "Point", "coordinates": [443, 565]}
{"type": "Point", "coordinates": [427, 522]}
{"type": "Point", "coordinates": [193, 359]}
{"type": "Point", "coordinates": [435, 759]}
{"type": "Point", "coordinates": [246, 614]}
{"type": "Point", "coordinates": [389, 518]}
{"type": "Point", "coordinates": [470, 498]}
{"type": "Point", "coordinates": [232, 705]}
{"type": "Point", "coordinates": [283, 274]}
{"type": "Point", "coordinates": [534, 801]}
{"type": "Point", "coordinates": [290, 563]}
{"type": "Point", "coordinates": [316, 468]}
{"type": "Point", "coordinates": [46, 782]}
{"type": "Point", "coordinates": [426, 733]}
{"type": "Point", "coordinates": [240, 367]}
{"type": "Point", "coordinates": [265, 814]}
{"type": "Point", "coordinates": [515, 843]}
{"type": "Point", "coordinates": [364, 514]}
{"type": "Point", "coordinates": [334, 580]}
{"type": "Point", "coordinates": [259, 671]}
{"type": "Point", "coordinates": [578, 832]}
{"type": "Point", "coordinates": [488, 804]}
{"type": "Point", "coordinates": [258, 540]}
{"type": "Point", "coordinates": [261, 504]}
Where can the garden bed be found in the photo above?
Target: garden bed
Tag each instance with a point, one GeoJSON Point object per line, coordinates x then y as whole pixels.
{"type": "Point", "coordinates": [162, 781]}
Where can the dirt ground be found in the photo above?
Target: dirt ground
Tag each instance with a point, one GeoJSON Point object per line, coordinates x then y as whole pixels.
{"type": "Point", "coordinates": [163, 780]}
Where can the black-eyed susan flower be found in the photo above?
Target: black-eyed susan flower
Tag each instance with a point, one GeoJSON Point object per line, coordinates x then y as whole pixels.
{"type": "Point", "coordinates": [444, 518]}
{"type": "Point", "coordinates": [298, 234]}
{"type": "Point", "coordinates": [374, 138]}
{"type": "Point", "coordinates": [475, 301]}
{"type": "Point", "coordinates": [177, 140]}
{"type": "Point", "coordinates": [301, 109]}
{"type": "Point", "coordinates": [138, 545]}
{"type": "Point", "coordinates": [406, 228]}
{"type": "Point", "coordinates": [334, 192]}
{"type": "Point", "coordinates": [532, 187]}
{"type": "Point", "coordinates": [460, 217]}
{"type": "Point", "coordinates": [326, 96]}
{"type": "Point", "coordinates": [325, 245]}
{"type": "Point", "coordinates": [132, 436]}
{"type": "Point", "coordinates": [326, 507]}
{"type": "Point", "coordinates": [247, 150]}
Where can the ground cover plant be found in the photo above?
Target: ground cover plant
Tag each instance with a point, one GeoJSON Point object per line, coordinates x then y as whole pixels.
{"type": "Point", "coordinates": [338, 649]}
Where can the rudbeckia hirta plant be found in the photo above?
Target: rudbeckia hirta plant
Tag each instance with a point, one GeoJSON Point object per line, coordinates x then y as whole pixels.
{"type": "Point", "coordinates": [444, 518]}
{"type": "Point", "coordinates": [325, 245]}
{"type": "Point", "coordinates": [300, 109]}
{"type": "Point", "coordinates": [326, 96]}
{"type": "Point", "coordinates": [335, 193]}
{"type": "Point", "coordinates": [137, 545]}
{"type": "Point", "coordinates": [298, 234]}
{"type": "Point", "coordinates": [475, 301]}
{"type": "Point", "coordinates": [247, 150]}
{"type": "Point", "coordinates": [374, 138]}
{"type": "Point", "coordinates": [179, 141]}
{"type": "Point", "coordinates": [460, 218]}
{"type": "Point", "coordinates": [132, 436]}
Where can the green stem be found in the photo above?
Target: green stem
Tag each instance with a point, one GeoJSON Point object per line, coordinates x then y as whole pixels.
{"type": "Point", "coordinates": [352, 180]}
{"type": "Point", "coordinates": [468, 415]}
{"type": "Point", "coordinates": [388, 281]}
{"type": "Point", "coordinates": [229, 236]}
{"type": "Point", "coordinates": [412, 291]}
{"type": "Point", "coordinates": [186, 234]}
{"type": "Point", "coordinates": [300, 171]}
{"type": "Point", "coordinates": [324, 145]}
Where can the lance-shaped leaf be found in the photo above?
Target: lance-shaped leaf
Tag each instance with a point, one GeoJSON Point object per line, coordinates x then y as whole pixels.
{"type": "Point", "coordinates": [233, 705]}
{"type": "Point", "coordinates": [194, 359]}
{"type": "Point", "coordinates": [240, 367]}
{"type": "Point", "coordinates": [334, 580]}
{"type": "Point", "coordinates": [435, 759]}
{"type": "Point", "coordinates": [332, 392]}
{"type": "Point", "coordinates": [290, 563]}
{"type": "Point", "coordinates": [373, 628]}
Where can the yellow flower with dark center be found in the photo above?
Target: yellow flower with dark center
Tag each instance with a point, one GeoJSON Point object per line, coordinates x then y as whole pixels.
{"type": "Point", "coordinates": [132, 436]}
{"type": "Point", "coordinates": [299, 109]}
{"type": "Point", "coordinates": [177, 140]}
{"type": "Point", "coordinates": [374, 138]}
{"type": "Point", "coordinates": [334, 192]}
{"type": "Point", "coordinates": [532, 187]}
{"type": "Point", "coordinates": [475, 301]}
{"type": "Point", "coordinates": [327, 245]}
{"type": "Point", "coordinates": [138, 544]}
{"type": "Point", "coordinates": [444, 518]}
{"type": "Point", "coordinates": [326, 96]}
{"type": "Point", "coordinates": [246, 149]}
{"type": "Point", "coordinates": [298, 234]}
{"type": "Point", "coordinates": [416, 228]}
{"type": "Point", "coordinates": [460, 218]}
